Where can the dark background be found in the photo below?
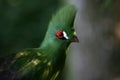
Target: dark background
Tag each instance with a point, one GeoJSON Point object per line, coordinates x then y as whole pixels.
{"type": "Point", "coordinates": [23, 23]}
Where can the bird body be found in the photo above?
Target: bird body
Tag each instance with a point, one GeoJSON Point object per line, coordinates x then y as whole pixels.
{"type": "Point", "coordinates": [47, 61]}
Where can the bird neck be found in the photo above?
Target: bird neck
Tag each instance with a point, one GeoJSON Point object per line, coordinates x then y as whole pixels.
{"type": "Point", "coordinates": [54, 47]}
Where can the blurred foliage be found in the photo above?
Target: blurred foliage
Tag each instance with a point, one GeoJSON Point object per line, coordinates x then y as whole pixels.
{"type": "Point", "coordinates": [23, 23]}
{"type": "Point", "coordinates": [110, 7]}
{"type": "Point", "coordinates": [106, 5]}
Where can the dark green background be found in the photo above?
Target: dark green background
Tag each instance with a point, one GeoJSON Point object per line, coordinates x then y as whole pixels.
{"type": "Point", "coordinates": [23, 23]}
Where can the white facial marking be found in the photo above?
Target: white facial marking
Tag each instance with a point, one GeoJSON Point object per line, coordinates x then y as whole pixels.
{"type": "Point", "coordinates": [65, 35]}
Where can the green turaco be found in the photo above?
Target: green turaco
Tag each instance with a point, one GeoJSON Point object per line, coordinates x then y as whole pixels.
{"type": "Point", "coordinates": [47, 61]}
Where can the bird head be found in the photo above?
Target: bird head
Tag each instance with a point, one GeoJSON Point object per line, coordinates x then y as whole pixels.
{"type": "Point", "coordinates": [61, 28]}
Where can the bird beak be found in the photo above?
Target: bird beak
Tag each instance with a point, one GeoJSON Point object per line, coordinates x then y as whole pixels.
{"type": "Point", "coordinates": [75, 39]}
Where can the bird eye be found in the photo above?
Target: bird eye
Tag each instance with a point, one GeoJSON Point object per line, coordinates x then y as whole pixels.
{"type": "Point", "coordinates": [61, 34]}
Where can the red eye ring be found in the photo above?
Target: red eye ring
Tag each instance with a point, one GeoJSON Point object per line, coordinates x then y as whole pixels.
{"type": "Point", "coordinates": [59, 34]}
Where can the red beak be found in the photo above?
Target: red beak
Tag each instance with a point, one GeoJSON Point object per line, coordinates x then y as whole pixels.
{"type": "Point", "coordinates": [75, 39]}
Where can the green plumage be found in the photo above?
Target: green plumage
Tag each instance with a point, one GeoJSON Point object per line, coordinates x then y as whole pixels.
{"type": "Point", "coordinates": [47, 61]}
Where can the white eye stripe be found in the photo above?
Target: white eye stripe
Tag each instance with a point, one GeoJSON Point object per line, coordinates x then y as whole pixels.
{"type": "Point", "coordinates": [65, 35]}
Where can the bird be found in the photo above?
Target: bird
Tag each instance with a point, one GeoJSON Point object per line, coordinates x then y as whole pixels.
{"type": "Point", "coordinates": [47, 61]}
